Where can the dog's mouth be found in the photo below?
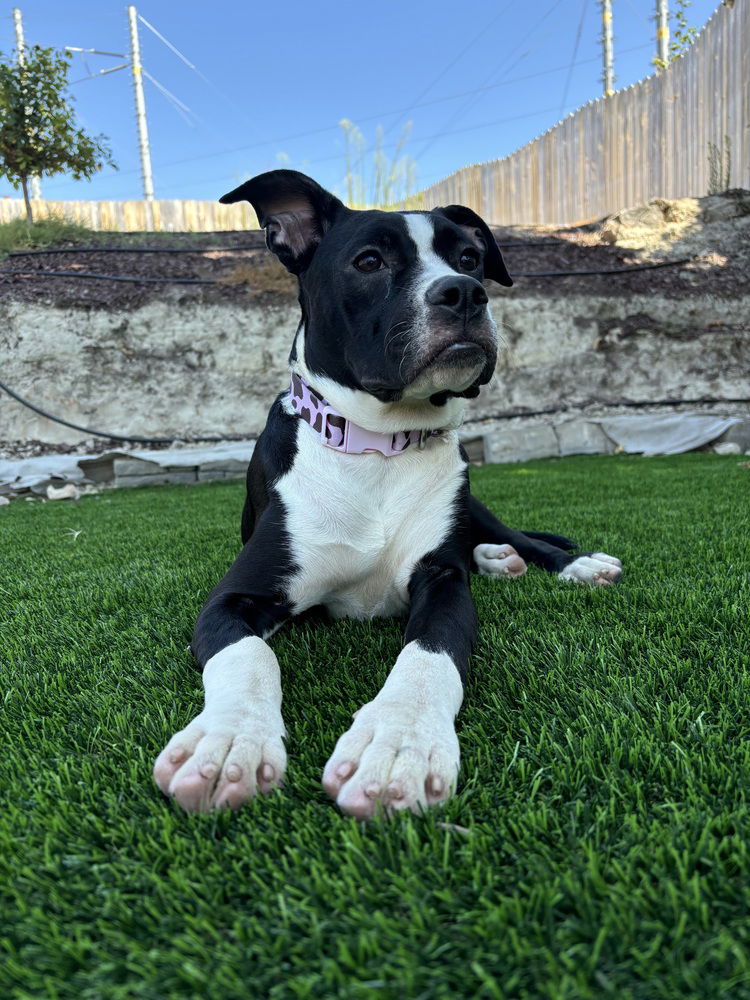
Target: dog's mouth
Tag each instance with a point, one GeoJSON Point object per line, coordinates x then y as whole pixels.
{"type": "Point", "coordinates": [452, 364]}
{"type": "Point", "coordinates": [462, 354]}
{"type": "Point", "coordinates": [451, 369]}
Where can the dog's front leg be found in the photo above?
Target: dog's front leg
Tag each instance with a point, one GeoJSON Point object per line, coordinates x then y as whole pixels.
{"type": "Point", "coordinates": [234, 747]}
{"type": "Point", "coordinates": [402, 750]}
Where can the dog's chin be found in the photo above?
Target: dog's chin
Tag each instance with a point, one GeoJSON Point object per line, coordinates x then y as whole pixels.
{"type": "Point", "coordinates": [452, 372]}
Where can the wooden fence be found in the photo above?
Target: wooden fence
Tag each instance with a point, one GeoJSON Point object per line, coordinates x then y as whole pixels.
{"type": "Point", "coordinates": [657, 138]}
{"type": "Point", "coordinates": [140, 216]}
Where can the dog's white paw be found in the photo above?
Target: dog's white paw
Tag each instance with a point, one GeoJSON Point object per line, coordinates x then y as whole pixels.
{"type": "Point", "coordinates": [235, 747]}
{"type": "Point", "coordinates": [498, 560]}
{"type": "Point", "coordinates": [395, 755]}
{"type": "Point", "coordinates": [402, 751]}
{"type": "Point", "coordinates": [223, 760]}
{"type": "Point", "coordinates": [597, 570]}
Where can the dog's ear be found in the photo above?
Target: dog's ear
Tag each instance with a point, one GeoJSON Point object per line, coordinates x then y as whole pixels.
{"type": "Point", "coordinates": [295, 212]}
{"type": "Point", "coordinates": [477, 229]}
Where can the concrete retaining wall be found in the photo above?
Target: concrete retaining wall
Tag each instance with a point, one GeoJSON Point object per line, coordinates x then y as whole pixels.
{"type": "Point", "coordinates": [190, 368]}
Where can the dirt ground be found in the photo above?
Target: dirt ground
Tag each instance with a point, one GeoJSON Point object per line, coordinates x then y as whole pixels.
{"type": "Point", "coordinates": [713, 232]}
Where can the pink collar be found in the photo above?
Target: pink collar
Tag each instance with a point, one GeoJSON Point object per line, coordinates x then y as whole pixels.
{"type": "Point", "coordinates": [341, 434]}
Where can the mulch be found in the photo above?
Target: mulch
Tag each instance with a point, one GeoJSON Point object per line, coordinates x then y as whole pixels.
{"type": "Point", "coordinates": [560, 250]}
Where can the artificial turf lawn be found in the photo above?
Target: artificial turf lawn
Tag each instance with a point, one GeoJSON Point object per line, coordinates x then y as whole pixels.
{"type": "Point", "coordinates": [600, 840]}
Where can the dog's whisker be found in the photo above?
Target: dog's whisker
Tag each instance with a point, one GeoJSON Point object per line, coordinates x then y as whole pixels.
{"type": "Point", "coordinates": [396, 333]}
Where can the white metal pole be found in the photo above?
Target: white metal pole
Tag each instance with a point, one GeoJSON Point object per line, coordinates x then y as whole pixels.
{"type": "Point", "coordinates": [609, 68]}
{"type": "Point", "coordinates": [662, 31]}
{"type": "Point", "coordinates": [36, 187]}
{"type": "Point", "coordinates": [18, 25]}
{"type": "Point", "coordinates": [140, 113]}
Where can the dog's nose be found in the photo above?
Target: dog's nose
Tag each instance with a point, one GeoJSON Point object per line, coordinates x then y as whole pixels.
{"type": "Point", "coordinates": [460, 295]}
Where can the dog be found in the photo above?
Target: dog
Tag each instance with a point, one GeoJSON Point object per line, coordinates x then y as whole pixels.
{"type": "Point", "coordinates": [358, 501]}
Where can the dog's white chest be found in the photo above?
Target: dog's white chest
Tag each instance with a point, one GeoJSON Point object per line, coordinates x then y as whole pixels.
{"type": "Point", "coordinates": [358, 524]}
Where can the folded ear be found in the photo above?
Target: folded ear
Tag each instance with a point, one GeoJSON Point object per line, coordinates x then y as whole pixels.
{"type": "Point", "coordinates": [477, 229]}
{"type": "Point", "coordinates": [295, 212]}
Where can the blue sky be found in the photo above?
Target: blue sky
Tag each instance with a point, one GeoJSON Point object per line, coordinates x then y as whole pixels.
{"type": "Point", "coordinates": [272, 80]}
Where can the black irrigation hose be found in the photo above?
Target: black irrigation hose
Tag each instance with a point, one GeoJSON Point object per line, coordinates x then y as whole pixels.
{"type": "Point", "coordinates": [111, 277]}
{"type": "Point", "coordinates": [213, 281]}
{"type": "Point", "coordinates": [473, 420]}
{"type": "Point", "coordinates": [614, 270]}
{"type": "Point", "coordinates": [260, 245]}
{"type": "Point", "coordinates": [122, 437]}
{"type": "Point", "coordinates": [545, 243]}
{"type": "Point", "coordinates": [198, 250]}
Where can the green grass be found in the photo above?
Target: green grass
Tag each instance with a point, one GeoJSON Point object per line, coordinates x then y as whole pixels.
{"type": "Point", "coordinates": [21, 235]}
{"type": "Point", "coordinates": [604, 784]}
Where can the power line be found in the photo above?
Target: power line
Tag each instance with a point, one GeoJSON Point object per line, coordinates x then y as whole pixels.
{"type": "Point", "coordinates": [459, 131]}
{"type": "Point", "coordinates": [638, 13]}
{"type": "Point", "coordinates": [182, 109]}
{"type": "Point", "coordinates": [564, 100]}
{"type": "Point", "coordinates": [140, 279]}
{"type": "Point", "coordinates": [453, 62]}
{"type": "Point", "coordinates": [169, 45]}
{"type": "Point", "coordinates": [383, 114]}
{"type": "Point", "coordinates": [464, 107]}
{"type": "Point", "coordinates": [402, 114]}
{"type": "Point", "coordinates": [102, 72]}
{"type": "Point", "coordinates": [98, 52]}
{"type": "Point", "coordinates": [193, 67]}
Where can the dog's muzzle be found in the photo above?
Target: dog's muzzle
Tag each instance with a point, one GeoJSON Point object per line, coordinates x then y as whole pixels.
{"type": "Point", "coordinates": [457, 348]}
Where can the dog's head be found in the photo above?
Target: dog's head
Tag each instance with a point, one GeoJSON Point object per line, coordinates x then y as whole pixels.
{"type": "Point", "coordinates": [393, 304]}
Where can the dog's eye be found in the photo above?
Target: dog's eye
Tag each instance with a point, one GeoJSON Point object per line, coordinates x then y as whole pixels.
{"type": "Point", "coordinates": [368, 261]}
{"type": "Point", "coordinates": [469, 260]}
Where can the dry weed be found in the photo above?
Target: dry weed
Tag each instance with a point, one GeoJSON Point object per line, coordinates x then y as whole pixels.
{"type": "Point", "coordinates": [262, 276]}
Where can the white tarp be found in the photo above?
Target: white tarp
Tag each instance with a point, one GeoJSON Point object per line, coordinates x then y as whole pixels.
{"type": "Point", "coordinates": [23, 473]}
{"type": "Point", "coordinates": [665, 433]}
{"type": "Point", "coordinates": [28, 473]}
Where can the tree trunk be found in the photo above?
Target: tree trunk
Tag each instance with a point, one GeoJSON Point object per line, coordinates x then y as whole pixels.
{"type": "Point", "coordinates": [27, 200]}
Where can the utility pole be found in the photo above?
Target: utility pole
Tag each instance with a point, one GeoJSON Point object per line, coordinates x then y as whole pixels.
{"type": "Point", "coordinates": [662, 31]}
{"type": "Point", "coordinates": [36, 187]}
{"type": "Point", "coordinates": [140, 114]}
{"type": "Point", "coordinates": [609, 68]}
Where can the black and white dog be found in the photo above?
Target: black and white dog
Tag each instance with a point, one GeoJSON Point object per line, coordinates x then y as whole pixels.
{"type": "Point", "coordinates": [358, 500]}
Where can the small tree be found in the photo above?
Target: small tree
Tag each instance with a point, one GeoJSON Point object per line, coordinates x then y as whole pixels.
{"type": "Point", "coordinates": [38, 131]}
